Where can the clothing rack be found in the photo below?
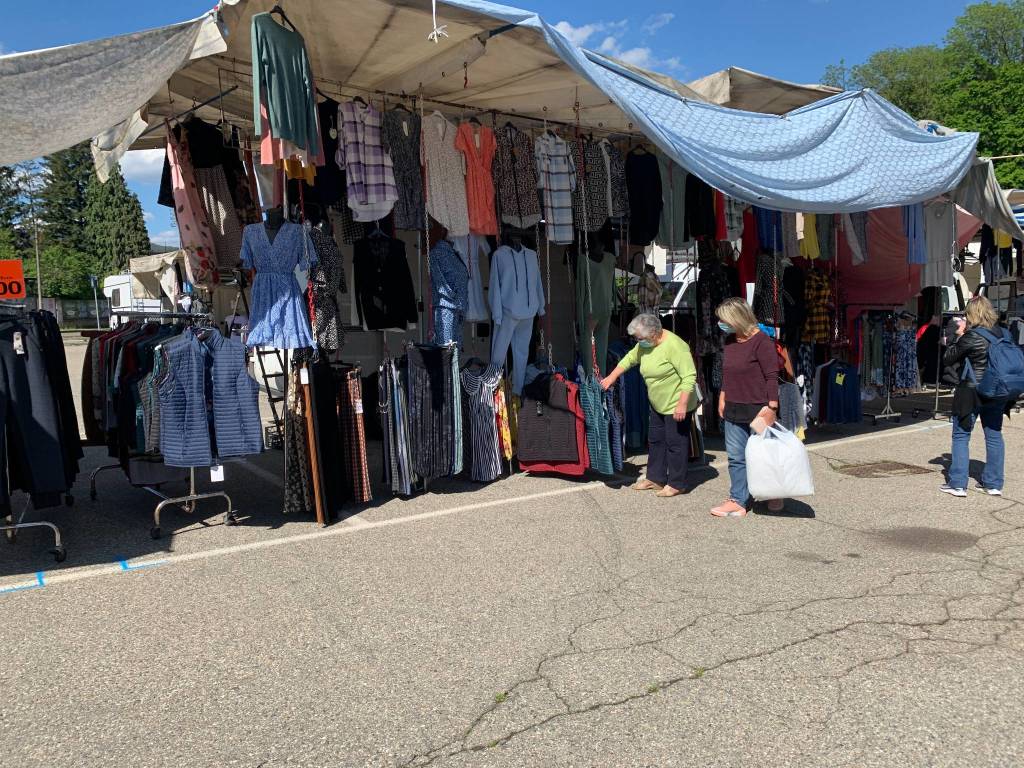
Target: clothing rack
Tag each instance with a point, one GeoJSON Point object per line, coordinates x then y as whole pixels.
{"type": "Point", "coordinates": [16, 524]}
{"type": "Point", "coordinates": [890, 376]}
{"type": "Point", "coordinates": [338, 88]}
{"type": "Point", "coordinates": [187, 502]}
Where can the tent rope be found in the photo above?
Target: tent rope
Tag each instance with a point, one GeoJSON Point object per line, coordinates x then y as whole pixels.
{"type": "Point", "coordinates": [439, 31]}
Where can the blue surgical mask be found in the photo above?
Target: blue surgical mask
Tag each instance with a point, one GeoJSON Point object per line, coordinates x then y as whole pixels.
{"type": "Point", "coordinates": [726, 328]}
{"type": "Point", "coordinates": [645, 344]}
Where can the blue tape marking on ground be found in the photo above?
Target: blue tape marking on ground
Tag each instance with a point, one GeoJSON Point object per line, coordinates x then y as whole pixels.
{"type": "Point", "coordinates": [39, 578]}
{"type": "Point", "coordinates": [126, 566]}
{"type": "Point", "coordinates": [20, 588]}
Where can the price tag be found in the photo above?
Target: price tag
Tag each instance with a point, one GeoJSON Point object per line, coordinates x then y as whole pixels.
{"type": "Point", "coordinates": [840, 378]}
{"type": "Point", "coordinates": [217, 473]}
{"type": "Point", "coordinates": [19, 343]}
{"type": "Point", "coordinates": [304, 376]}
{"type": "Point", "coordinates": [359, 406]}
{"type": "Point", "coordinates": [12, 279]}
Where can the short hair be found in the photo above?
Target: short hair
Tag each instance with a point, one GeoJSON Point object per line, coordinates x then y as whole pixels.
{"type": "Point", "coordinates": [738, 314]}
{"type": "Point", "coordinates": [644, 326]}
{"type": "Point", "coordinates": [980, 313]}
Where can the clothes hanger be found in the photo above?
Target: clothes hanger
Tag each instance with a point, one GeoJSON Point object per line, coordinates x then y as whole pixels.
{"type": "Point", "coordinates": [377, 231]}
{"type": "Point", "coordinates": [277, 10]}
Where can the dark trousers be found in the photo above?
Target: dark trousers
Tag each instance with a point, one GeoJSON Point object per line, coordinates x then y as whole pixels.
{"type": "Point", "coordinates": [668, 449]}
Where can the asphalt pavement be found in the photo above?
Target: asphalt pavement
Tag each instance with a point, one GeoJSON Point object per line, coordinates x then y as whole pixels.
{"type": "Point", "coordinates": [530, 622]}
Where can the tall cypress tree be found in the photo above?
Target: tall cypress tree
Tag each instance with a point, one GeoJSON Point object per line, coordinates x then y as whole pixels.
{"type": "Point", "coordinates": [114, 226]}
{"type": "Point", "coordinates": [10, 197]}
{"type": "Point", "coordinates": [67, 175]}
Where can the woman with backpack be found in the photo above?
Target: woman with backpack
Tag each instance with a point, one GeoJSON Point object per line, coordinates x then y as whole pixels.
{"type": "Point", "coordinates": [990, 372]}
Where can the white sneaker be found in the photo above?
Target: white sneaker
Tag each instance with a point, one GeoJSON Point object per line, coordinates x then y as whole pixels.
{"type": "Point", "coordinates": [990, 491]}
{"type": "Point", "coordinates": [960, 493]}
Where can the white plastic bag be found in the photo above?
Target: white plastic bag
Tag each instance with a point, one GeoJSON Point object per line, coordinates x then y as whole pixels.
{"type": "Point", "coordinates": [778, 466]}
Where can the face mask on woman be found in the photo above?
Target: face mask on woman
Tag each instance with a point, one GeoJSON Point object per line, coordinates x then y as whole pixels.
{"type": "Point", "coordinates": [645, 344]}
{"type": "Point", "coordinates": [726, 328]}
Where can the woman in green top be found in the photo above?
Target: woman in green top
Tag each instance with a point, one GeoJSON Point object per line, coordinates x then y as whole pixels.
{"type": "Point", "coordinates": [671, 377]}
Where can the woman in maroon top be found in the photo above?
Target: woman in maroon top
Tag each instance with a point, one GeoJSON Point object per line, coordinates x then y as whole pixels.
{"type": "Point", "coordinates": [750, 388]}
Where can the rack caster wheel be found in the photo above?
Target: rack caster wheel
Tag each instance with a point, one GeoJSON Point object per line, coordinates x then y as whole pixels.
{"type": "Point", "coordinates": [874, 421]}
{"type": "Point", "coordinates": [69, 500]}
{"type": "Point", "coordinates": [92, 495]}
{"type": "Point", "coordinates": [898, 419]}
{"type": "Point", "coordinates": [59, 554]}
{"type": "Point", "coordinates": [230, 520]}
{"type": "Point", "coordinates": [154, 532]}
{"type": "Point", "coordinates": [12, 537]}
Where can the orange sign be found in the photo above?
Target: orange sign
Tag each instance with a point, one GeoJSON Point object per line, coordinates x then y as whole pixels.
{"type": "Point", "coordinates": [12, 279]}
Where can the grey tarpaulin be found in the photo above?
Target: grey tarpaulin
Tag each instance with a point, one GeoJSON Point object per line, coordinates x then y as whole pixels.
{"type": "Point", "coordinates": [55, 98]}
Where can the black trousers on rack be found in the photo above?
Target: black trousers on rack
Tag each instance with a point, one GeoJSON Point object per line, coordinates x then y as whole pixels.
{"type": "Point", "coordinates": [431, 410]}
{"type": "Point", "coordinates": [31, 456]}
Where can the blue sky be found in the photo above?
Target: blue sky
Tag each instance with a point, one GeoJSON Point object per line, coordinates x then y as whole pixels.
{"type": "Point", "coordinates": [791, 39]}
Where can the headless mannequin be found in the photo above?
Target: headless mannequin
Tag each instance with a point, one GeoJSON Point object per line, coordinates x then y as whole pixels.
{"type": "Point", "coordinates": [274, 222]}
{"type": "Point", "coordinates": [516, 297]}
{"type": "Point", "coordinates": [595, 287]}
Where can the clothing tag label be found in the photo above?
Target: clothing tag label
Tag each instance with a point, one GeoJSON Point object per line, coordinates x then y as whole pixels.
{"type": "Point", "coordinates": [19, 343]}
{"type": "Point", "coordinates": [333, 133]}
{"type": "Point", "coordinates": [303, 376]}
{"type": "Point", "coordinates": [840, 378]}
{"type": "Point", "coordinates": [302, 278]}
{"type": "Point", "coordinates": [217, 473]}
{"type": "Point", "coordinates": [476, 138]}
{"type": "Point", "coordinates": [359, 406]}
{"type": "Point", "coordinates": [405, 127]}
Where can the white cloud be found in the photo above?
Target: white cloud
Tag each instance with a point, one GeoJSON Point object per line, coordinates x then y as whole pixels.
{"type": "Point", "coordinates": [143, 166]}
{"type": "Point", "coordinates": [657, 21]}
{"type": "Point", "coordinates": [580, 35]}
{"type": "Point", "coordinates": [613, 42]}
{"type": "Point", "coordinates": [167, 237]}
{"type": "Point", "coordinates": [148, 215]}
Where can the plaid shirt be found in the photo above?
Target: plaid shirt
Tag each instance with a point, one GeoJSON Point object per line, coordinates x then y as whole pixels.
{"type": "Point", "coordinates": [817, 296]}
{"type": "Point", "coordinates": [368, 169]}
{"type": "Point", "coordinates": [556, 177]}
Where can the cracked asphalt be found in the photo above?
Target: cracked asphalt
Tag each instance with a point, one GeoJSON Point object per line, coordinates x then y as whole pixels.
{"type": "Point", "coordinates": [535, 622]}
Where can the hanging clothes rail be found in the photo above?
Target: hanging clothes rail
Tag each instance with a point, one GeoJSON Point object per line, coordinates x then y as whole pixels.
{"type": "Point", "coordinates": [345, 90]}
{"type": "Point", "coordinates": [187, 502]}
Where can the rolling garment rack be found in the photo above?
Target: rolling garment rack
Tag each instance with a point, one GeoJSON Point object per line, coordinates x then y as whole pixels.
{"type": "Point", "coordinates": [15, 523]}
{"type": "Point", "coordinates": [890, 376]}
{"type": "Point", "coordinates": [186, 503]}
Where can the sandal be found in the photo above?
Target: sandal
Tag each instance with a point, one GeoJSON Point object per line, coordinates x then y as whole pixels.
{"type": "Point", "coordinates": [646, 485]}
{"type": "Point", "coordinates": [668, 492]}
{"type": "Point", "coordinates": [729, 508]}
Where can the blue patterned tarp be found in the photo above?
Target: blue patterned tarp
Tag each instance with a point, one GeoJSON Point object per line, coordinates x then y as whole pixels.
{"type": "Point", "coordinates": [852, 152]}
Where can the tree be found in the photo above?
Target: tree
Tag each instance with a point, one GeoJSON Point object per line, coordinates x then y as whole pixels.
{"type": "Point", "coordinates": [911, 78]}
{"type": "Point", "coordinates": [10, 197]}
{"type": "Point", "coordinates": [990, 100]}
{"type": "Point", "coordinates": [65, 272]}
{"type": "Point", "coordinates": [115, 229]}
{"type": "Point", "coordinates": [8, 244]}
{"type": "Point", "coordinates": [66, 177]}
{"type": "Point", "coordinates": [837, 76]}
{"type": "Point", "coordinates": [990, 32]}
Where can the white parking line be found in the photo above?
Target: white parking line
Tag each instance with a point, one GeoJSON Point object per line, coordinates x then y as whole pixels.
{"type": "Point", "coordinates": [351, 526]}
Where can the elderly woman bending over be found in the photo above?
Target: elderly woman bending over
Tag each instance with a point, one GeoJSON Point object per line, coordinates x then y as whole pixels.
{"type": "Point", "coordinates": [670, 374]}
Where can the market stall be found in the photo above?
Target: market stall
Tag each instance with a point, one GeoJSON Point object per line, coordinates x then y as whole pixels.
{"type": "Point", "coordinates": [456, 187]}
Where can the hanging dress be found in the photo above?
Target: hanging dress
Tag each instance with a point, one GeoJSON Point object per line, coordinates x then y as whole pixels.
{"type": "Point", "coordinates": [280, 317]}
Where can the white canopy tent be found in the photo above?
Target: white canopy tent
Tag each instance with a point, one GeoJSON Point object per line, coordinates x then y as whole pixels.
{"type": "Point", "coordinates": [739, 88]}
{"type": "Point", "coordinates": [492, 58]}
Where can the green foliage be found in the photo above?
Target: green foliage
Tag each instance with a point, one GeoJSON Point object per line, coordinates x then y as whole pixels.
{"type": "Point", "coordinates": [67, 175]}
{"type": "Point", "coordinates": [8, 244]}
{"type": "Point", "coordinates": [974, 83]}
{"type": "Point", "coordinates": [11, 204]}
{"type": "Point", "coordinates": [991, 32]}
{"type": "Point", "coordinates": [115, 230]}
{"type": "Point", "coordinates": [911, 78]}
{"type": "Point", "coordinates": [990, 100]}
{"type": "Point", "coordinates": [65, 272]}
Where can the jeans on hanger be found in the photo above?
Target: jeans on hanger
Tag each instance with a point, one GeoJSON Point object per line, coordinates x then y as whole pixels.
{"type": "Point", "coordinates": [991, 413]}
